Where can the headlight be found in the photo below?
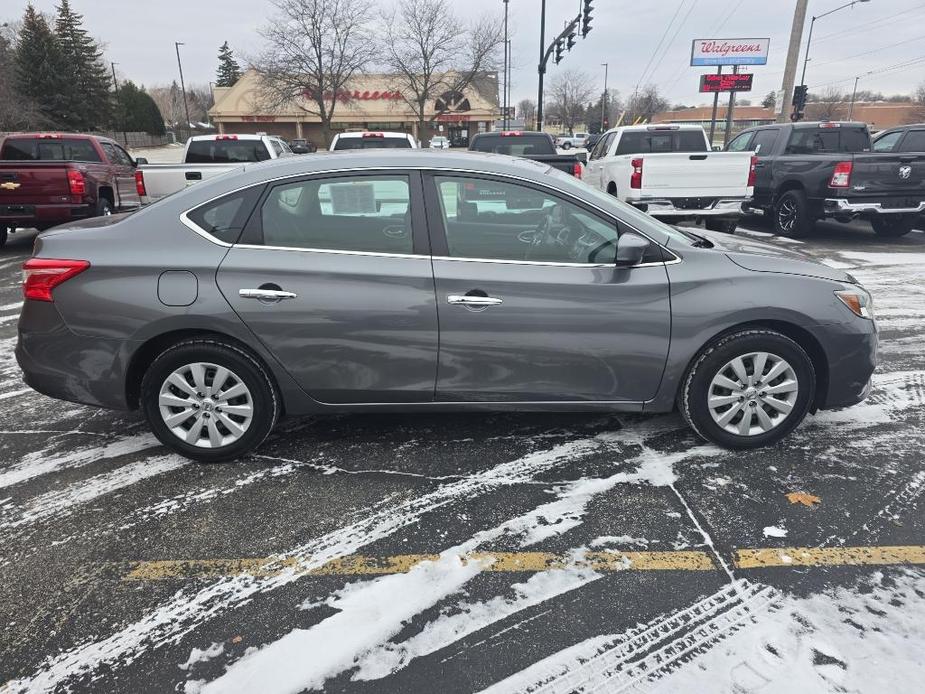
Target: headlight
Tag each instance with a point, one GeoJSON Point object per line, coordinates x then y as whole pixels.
{"type": "Point", "coordinates": [858, 301]}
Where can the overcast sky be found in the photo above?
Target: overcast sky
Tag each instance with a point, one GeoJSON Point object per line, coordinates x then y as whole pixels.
{"type": "Point", "coordinates": [139, 35]}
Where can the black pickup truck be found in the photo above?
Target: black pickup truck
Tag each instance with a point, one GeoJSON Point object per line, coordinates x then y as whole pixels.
{"type": "Point", "coordinates": [810, 171]}
{"type": "Point", "coordinates": [529, 145]}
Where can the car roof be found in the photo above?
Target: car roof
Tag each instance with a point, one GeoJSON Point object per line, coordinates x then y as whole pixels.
{"type": "Point", "coordinates": [233, 136]}
{"type": "Point", "coordinates": [384, 133]}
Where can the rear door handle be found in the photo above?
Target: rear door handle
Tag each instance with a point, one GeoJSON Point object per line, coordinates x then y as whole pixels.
{"type": "Point", "coordinates": [266, 294]}
{"type": "Point", "coordinates": [477, 301]}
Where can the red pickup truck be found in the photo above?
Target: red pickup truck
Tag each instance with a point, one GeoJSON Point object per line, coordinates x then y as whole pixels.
{"type": "Point", "coordinates": [52, 178]}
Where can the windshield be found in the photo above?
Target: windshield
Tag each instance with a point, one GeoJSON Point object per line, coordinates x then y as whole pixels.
{"type": "Point", "coordinates": [226, 151]}
{"type": "Point", "coordinates": [49, 149]}
{"type": "Point", "coordinates": [372, 143]}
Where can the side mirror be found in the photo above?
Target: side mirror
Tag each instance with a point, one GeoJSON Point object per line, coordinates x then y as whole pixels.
{"type": "Point", "coordinates": [630, 249]}
{"type": "Point", "coordinates": [140, 160]}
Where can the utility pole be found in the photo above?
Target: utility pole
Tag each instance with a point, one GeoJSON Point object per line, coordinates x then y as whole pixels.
{"type": "Point", "coordinates": [177, 45]}
{"type": "Point", "coordinates": [719, 71]}
{"type": "Point", "coordinates": [510, 69]}
{"type": "Point", "coordinates": [115, 91]}
{"type": "Point", "coordinates": [604, 101]}
{"type": "Point", "coordinates": [542, 67]}
{"type": "Point", "coordinates": [793, 54]}
{"type": "Point", "coordinates": [504, 96]}
{"type": "Point", "coordinates": [732, 101]}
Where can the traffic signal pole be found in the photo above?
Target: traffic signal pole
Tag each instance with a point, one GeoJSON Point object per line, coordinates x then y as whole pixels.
{"type": "Point", "coordinates": [546, 52]}
{"type": "Point", "coordinates": [793, 55]}
{"type": "Point", "coordinates": [542, 67]}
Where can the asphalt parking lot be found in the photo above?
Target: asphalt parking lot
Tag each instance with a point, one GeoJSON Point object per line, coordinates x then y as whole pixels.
{"type": "Point", "coordinates": [463, 553]}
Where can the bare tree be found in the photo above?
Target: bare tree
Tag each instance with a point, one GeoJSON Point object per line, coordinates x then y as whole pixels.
{"type": "Point", "coordinates": [828, 105]}
{"type": "Point", "coordinates": [644, 104]}
{"type": "Point", "coordinates": [169, 101]}
{"type": "Point", "coordinates": [526, 109]}
{"type": "Point", "coordinates": [313, 50]}
{"type": "Point", "coordinates": [568, 94]}
{"type": "Point", "coordinates": [918, 98]}
{"type": "Point", "coordinates": [433, 55]}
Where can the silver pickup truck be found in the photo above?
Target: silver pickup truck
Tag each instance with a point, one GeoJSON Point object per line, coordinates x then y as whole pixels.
{"type": "Point", "coordinates": [207, 156]}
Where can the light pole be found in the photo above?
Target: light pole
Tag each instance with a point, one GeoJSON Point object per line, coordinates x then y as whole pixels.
{"type": "Point", "coordinates": [504, 95]}
{"type": "Point", "coordinates": [809, 39]}
{"type": "Point", "coordinates": [604, 103]}
{"type": "Point", "coordinates": [177, 45]}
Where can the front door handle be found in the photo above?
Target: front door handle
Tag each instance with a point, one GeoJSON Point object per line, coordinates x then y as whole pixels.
{"type": "Point", "coordinates": [266, 294]}
{"type": "Point", "coordinates": [473, 300]}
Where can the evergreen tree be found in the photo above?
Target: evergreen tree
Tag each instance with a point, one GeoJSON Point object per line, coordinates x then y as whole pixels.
{"type": "Point", "coordinates": [88, 93]}
{"type": "Point", "coordinates": [38, 69]}
{"type": "Point", "coordinates": [229, 71]}
{"type": "Point", "coordinates": [136, 111]}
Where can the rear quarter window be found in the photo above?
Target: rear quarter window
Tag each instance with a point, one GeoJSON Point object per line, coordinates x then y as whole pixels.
{"type": "Point", "coordinates": [49, 149]}
{"type": "Point", "coordinates": [224, 218]}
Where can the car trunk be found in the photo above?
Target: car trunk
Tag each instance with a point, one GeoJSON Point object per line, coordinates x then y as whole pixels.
{"type": "Point", "coordinates": [33, 183]}
{"type": "Point", "coordinates": [894, 179]}
{"type": "Point", "coordinates": [694, 174]}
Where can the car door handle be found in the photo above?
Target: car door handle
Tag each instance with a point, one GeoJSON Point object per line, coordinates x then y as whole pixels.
{"type": "Point", "coordinates": [478, 301]}
{"type": "Point", "coordinates": [266, 294]}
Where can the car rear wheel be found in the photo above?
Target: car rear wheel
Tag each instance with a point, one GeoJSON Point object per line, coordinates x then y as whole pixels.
{"type": "Point", "coordinates": [892, 226]}
{"type": "Point", "coordinates": [208, 400]}
{"type": "Point", "coordinates": [748, 389]}
{"type": "Point", "coordinates": [726, 226]}
{"type": "Point", "coordinates": [791, 215]}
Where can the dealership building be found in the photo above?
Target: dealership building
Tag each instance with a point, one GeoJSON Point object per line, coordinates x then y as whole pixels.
{"type": "Point", "coordinates": [370, 102]}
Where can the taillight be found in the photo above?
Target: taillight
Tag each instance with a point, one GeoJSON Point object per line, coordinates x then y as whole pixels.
{"type": "Point", "coordinates": [752, 170]}
{"type": "Point", "coordinates": [75, 182]}
{"type": "Point", "coordinates": [576, 170]}
{"type": "Point", "coordinates": [140, 183]}
{"type": "Point", "coordinates": [511, 133]}
{"type": "Point", "coordinates": [374, 135]}
{"type": "Point", "coordinates": [41, 275]}
{"type": "Point", "coordinates": [226, 137]}
{"type": "Point", "coordinates": [636, 176]}
{"type": "Point", "coordinates": [841, 176]}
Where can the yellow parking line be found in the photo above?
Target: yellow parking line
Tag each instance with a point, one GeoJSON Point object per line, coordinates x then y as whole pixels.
{"type": "Point", "coordinates": [829, 556]}
{"type": "Point", "coordinates": [508, 562]}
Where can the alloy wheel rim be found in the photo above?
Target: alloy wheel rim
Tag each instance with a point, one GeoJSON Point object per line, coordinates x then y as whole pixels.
{"type": "Point", "coordinates": [205, 405]}
{"type": "Point", "coordinates": [753, 394]}
{"type": "Point", "coordinates": [786, 215]}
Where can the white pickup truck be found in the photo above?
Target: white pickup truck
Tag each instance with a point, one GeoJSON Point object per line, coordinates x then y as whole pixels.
{"type": "Point", "coordinates": [670, 172]}
{"type": "Point", "coordinates": [207, 156]}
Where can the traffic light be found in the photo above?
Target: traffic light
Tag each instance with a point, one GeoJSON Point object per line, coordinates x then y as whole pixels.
{"type": "Point", "coordinates": [559, 47]}
{"type": "Point", "coordinates": [799, 97]}
{"type": "Point", "coordinates": [571, 41]}
{"type": "Point", "coordinates": [586, 18]}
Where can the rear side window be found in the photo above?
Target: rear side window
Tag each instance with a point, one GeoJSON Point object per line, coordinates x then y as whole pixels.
{"type": "Point", "coordinates": [914, 142]}
{"type": "Point", "coordinates": [225, 218]}
{"type": "Point", "coordinates": [49, 149]}
{"type": "Point", "coordinates": [372, 143]}
{"type": "Point", "coordinates": [226, 151]}
{"type": "Point", "coordinates": [515, 145]}
{"type": "Point", "coordinates": [763, 144]}
{"type": "Point", "coordinates": [828, 140]}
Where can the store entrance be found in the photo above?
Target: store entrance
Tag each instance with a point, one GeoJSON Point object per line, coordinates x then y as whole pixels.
{"type": "Point", "coordinates": [458, 134]}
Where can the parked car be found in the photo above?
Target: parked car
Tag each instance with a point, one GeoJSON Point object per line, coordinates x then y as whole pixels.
{"type": "Point", "coordinates": [439, 142]}
{"type": "Point", "coordinates": [52, 178]}
{"type": "Point", "coordinates": [816, 170]}
{"type": "Point", "coordinates": [302, 146]}
{"type": "Point", "coordinates": [461, 141]}
{"type": "Point", "coordinates": [529, 145]}
{"type": "Point", "coordinates": [372, 140]}
{"type": "Point", "coordinates": [670, 172]}
{"type": "Point", "coordinates": [569, 141]}
{"type": "Point", "coordinates": [205, 157]}
{"type": "Point", "coordinates": [320, 284]}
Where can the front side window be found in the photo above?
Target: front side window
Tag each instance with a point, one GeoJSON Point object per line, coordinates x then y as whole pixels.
{"type": "Point", "coordinates": [741, 144]}
{"type": "Point", "coordinates": [887, 142]}
{"type": "Point", "coordinates": [361, 213]}
{"type": "Point", "coordinates": [504, 221]}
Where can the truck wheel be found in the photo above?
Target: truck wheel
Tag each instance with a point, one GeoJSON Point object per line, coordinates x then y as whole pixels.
{"type": "Point", "coordinates": [103, 207]}
{"type": "Point", "coordinates": [566, 145]}
{"type": "Point", "coordinates": [791, 214]}
{"type": "Point", "coordinates": [726, 226]}
{"type": "Point", "coordinates": [892, 226]}
{"type": "Point", "coordinates": [4, 235]}
{"type": "Point", "coordinates": [748, 389]}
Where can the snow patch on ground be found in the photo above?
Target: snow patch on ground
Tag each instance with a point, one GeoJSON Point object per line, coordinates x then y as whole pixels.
{"type": "Point", "coordinates": [917, 259]}
{"type": "Point", "coordinates": [198, 655]}
{"type": "Point", "coordinates": [774, 531]}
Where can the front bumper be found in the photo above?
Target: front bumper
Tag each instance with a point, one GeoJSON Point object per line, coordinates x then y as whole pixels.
{"type": "Point", "coordinates": [837, 206]}
{"type": "Point", "coordinates": [851, 351]}
{"type": "Point", "coordinates": [678, 207]}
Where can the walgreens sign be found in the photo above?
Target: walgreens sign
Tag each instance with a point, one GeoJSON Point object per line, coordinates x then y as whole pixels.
{"type": "Point", "coordinates": [730, 51]}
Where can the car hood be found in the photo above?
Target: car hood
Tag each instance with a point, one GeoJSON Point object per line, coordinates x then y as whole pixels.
{"type": "Point", "coordinates": [763, 257]}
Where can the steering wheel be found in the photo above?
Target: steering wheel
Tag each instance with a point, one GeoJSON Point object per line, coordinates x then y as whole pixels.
{"type": "Point", "coordinates": [543, 235]}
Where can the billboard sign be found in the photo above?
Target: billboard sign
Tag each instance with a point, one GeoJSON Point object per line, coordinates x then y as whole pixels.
{"type": "Point", "coordinates": [741, 82]}
{"type": "Point", "coordinates": [730, 52]}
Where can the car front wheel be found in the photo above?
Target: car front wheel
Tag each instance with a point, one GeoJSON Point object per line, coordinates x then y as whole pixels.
{"type": "Point", "coordinates": [748, 389]}
{"type": "Point", "coordinates": [208, 400]}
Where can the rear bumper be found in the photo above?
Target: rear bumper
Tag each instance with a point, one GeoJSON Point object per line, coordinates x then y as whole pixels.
{"type": "Point", "coordinates": [42, 215]}
{"type": "Point", "coordinates": [58, 363]}
{"type": "Point", "coordinates": [841, 206]}
{"type": "Point", "coordinates": [667, 207]}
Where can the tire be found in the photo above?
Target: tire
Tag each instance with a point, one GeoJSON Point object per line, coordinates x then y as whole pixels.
{"type": "Point", "coordinates": [715, 361]}
{"type": "Point", "coordinates": [566, 145]}
{"type": "Point", "coordinates": [4, 235]}
{"type": "Point", "coordinates": [793, 207]}
{"type": "Point", "coordinates": [892, 226]}
{"type": "Point", "coordinates": [726, 226]}
{"type": "Point", "coordinates": [103, 207]}
{"type": "Point", "coordinates": [216, 441]}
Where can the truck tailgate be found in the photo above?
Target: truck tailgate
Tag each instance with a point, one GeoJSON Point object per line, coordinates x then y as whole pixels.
{"type": "Point", "coordinates": [895, 179]}
{"type": "Point", "coordinates": [694, 174]}
{"type": "Point", "coordinates": [34, 183]}
{"type": "Point", "coordinates": [165, 179]}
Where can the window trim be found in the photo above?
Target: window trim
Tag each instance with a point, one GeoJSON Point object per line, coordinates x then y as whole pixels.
{"type": "Point", "coordinates": [671, 257]}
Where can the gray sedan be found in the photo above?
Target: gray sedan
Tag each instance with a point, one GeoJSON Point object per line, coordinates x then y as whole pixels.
{"type": "Point", "coordinates": [421, 281]}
